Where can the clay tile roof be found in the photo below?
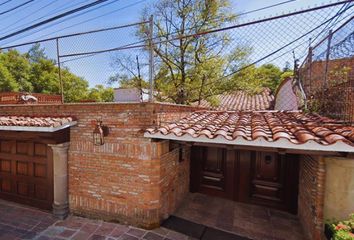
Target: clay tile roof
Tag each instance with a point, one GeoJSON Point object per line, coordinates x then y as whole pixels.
{"type": "Point", "coordinates": [241, 101]}
{"type": "Point", "coordinates": [23, 122]}
{"type": "Point", "coordinates": [259, 128]}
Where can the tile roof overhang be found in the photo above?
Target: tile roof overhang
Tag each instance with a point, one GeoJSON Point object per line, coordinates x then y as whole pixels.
{"type": "Point", "coordinates": [273, 129]}
{"type": "Point", "coordinates": [35, 124]}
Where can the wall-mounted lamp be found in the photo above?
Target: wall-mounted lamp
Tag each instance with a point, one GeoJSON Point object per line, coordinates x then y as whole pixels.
{"type": "Point", "coordinates": [99, 133]}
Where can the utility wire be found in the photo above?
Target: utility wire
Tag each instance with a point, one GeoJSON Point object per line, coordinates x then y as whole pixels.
{"type": "Point", "coordinates": [58, 9]}
{"type": "Point", "coordinates": [14, 8]}
{"type": "Point", "coordinates": [71, 17]}
{"type": "Point", "coordinates": [263, 8]}
{"type": "Point", "coordinates": [53, 18]}
{"type": "Point", "coordinates": [5, 2]}
{"type": "Point", "coordinates": [138, 2]}
{"type": "Point", "coordinates": [274, 52]}
{"type": "Point", "coordinates": [20, 10]}
{"type": "Point", "coordinates": [328, 27]}
{"type": "Point", "coordinates": [37, 10]}
{"type": "Point", "coordinates": [91, 19]}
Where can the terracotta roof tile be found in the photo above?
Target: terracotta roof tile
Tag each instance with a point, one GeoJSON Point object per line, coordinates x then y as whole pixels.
{"type": "Point", "coordinates": [26, 121]}
{"type": "Point", "coordinates": [241, 101]}
{"type": "Point", "coordinates": [296, 127]}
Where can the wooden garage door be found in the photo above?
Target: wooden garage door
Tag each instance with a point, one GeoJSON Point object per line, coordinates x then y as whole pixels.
{"type": "Point", "coordinates": [26, 173]}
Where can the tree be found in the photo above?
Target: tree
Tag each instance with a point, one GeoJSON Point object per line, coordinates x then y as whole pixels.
{"type": "Point", "coordinates": [36, 53]}
{"type": "Point", "coordinates": [269, 76]}
{"type": "Point", "coordinates": [19, 68]}
{"type": "Point", "coordinates": [7, 82]}
{"type": "Point", "coordinates": [185, 66]}
{"type": "Point", "coordinates": [101, 94]}
{"type": "Point", "coordinates": [254, 79]}
{"type": "Point", "coordinates": [34, 72]}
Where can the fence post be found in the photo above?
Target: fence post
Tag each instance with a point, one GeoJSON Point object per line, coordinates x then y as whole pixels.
{"type": "Point", "coordinates": [327, 57]}
{"type": "Point", "coordinates": [61, 87]}
{"type": "Point", "coordinates": [310, 69]}
{"type": "Point", "coordinates": [151, 58]}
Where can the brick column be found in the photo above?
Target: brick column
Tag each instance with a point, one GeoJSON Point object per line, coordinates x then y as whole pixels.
{"type": "Point", "coordinates": [60, 165]}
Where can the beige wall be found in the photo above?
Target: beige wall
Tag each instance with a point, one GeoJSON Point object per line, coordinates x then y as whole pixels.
{"type": "Point", "coordinates": [339, 191]}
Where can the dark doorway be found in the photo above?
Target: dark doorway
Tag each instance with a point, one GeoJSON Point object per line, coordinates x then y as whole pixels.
{"type": "Point", "coordinates": [262, 178]}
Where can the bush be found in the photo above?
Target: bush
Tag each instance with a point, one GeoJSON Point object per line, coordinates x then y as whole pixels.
{"type": "Point", "coordinates": [343, 230]}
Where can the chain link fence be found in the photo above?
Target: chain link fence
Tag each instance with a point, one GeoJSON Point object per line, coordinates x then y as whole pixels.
{"type": "Point", "coordinates": [327, 74]}
{"type": "Point", "coordinates": [238, 54]}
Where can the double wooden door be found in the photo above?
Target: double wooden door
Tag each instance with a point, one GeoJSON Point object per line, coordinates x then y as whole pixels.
{"type": "Point", "coordinates": [263, 178]}
{"type": "Point", "coordinates": [26, 172]}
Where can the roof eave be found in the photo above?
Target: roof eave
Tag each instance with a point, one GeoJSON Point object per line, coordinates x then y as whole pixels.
{"type": "Point", "coordinates": [37, 129]}
{"type": "Point", "coordinates": [259, 142]}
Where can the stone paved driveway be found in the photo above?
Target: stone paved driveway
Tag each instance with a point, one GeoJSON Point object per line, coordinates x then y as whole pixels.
{"type": "Point", "coordinates": [19, 222]}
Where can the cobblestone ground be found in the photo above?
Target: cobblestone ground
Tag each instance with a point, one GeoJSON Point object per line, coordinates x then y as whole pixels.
{"type": "Point", "coordinates": [19, 222]}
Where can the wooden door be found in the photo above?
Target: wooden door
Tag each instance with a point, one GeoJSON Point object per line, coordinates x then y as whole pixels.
{"type": "Point", "coordinates": [263, 178]}
{"type": "Point", "coordinates": [209, 167]}
{"type": "Point", "coordinates": [26, 173]}
{"type": "Point", "coordinates": [268, 181]}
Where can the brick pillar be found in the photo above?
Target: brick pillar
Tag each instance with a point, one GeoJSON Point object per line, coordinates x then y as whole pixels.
{"type": "Point", "coordinates": [319, 204]}
{"type": "Point", "coordinates": [60, 165]}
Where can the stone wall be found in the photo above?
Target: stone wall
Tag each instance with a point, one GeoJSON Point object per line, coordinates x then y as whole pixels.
{"type": "Point", "coordinates": [311, 195]}
{"type": "Point", "coordinates": [339, 194]}
{"type": "Point", "coordinates": [123, 179]}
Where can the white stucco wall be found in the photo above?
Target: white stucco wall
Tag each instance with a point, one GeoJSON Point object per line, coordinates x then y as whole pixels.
{"type": "Point", "coordinates": [339, 190]}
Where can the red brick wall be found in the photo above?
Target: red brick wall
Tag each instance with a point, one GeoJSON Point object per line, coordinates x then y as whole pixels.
{"type": "Point", "coordinates": [311, 195]}
{"type": "Point", "coordinates": [175, 171]}
{"type": "Point", "coordinates": [122, 179]}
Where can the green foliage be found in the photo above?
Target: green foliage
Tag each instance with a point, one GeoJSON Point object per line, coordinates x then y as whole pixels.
{"type": "Point", "coordinates": [7, 82]}
{"type": "Point", "coordinates": [36, 53]}
{"type": "Point", "coordinates": [101, 94]}
{"type": "Point", "coordinates": [286, 74]}
{"type": "Point", "coordinates": [34, 72]}
{"type": "Point", "coordinates": [187, 69]}
{"type": "Point", "coordinates": [253, 79]}
{"type": "Point", "coordinates": [193, 69]}
{"type": "Point", "coordinates": [343, 230]}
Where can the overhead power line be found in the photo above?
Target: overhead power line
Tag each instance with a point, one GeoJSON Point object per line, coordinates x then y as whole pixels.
{"type": "Point", "coordinates": [5, 2]}
{"type": "Point", "coordinates": [66, 19]}
{"type": "Point", "coordinates": [53, 18]}
{"type": "Point", "coordinates": [56, 11]}
{"type": "Point", "coordinates": [94, 18]}
{"type": "Point", "coordinates": [278, 50]}
{"type": "Point", "coordinates": [30, 14]}
{"type": "Point", "coordinates": [14, 8]}
{"type": "Point", "coordinates": [263, 8]}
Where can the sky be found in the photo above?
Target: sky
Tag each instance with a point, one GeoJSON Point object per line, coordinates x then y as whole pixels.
{"type": "Point", "coordinates": [112, 13]}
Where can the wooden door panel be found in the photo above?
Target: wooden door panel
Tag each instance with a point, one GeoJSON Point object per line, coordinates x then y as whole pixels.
{"type": "Point", "coordinates": [267, 180]}
{"type": "Point", "coordinates": [210, 167]}
{"type": "Point", "coordinates": [5, 185]}
{"type": "Point", "coordinates": [22, 148]}
{"type": "Point", "coordinates": [213, 169]}
{"type": "Point", "coordinates": [266, 191]}
{"type": "Point", "coordinates": [5, 166]}
{"type": "Point", "coordinates": [6, 146]}
{"type": "Point", "coordinates": [26, 174]}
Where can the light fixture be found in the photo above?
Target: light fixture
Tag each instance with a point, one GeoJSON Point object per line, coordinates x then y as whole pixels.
{"type": "Point", "coordinates": [98, 134]}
